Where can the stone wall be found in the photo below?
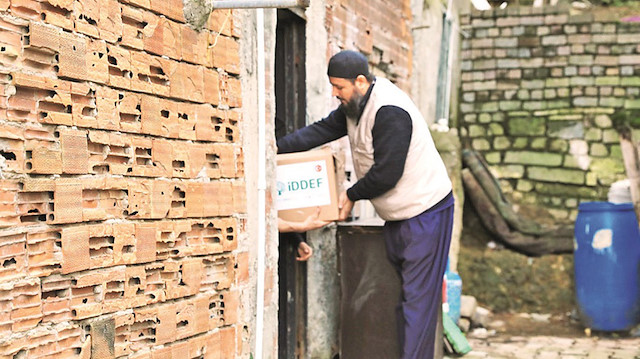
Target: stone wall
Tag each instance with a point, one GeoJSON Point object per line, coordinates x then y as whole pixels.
{"type": "Point", "coordinates": [539, 88]}
{"type": "Point", "coordinates": [122, 190]}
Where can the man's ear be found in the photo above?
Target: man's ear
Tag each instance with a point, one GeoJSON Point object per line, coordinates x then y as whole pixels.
{"type": "Point", "coordinates": [362, 84]}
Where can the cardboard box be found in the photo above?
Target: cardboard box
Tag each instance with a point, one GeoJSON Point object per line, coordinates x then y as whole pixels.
{"type": "Point", "coordinates": [305, 181]}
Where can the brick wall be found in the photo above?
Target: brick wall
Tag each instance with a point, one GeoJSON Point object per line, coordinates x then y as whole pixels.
{"type": "Point", "coordinates": [539, 88]}
{"type": "Point", "coordinates": [379, 29]}
{"type": "Point", "coordinates": [122, 182]}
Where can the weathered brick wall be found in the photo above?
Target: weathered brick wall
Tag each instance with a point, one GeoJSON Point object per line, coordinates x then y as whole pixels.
{"type": "Point", "coordinates": [122, 181]}
{"type": "Point", "coordinates": [539, 87]}
{"type": "Point", "coordinates": [379, 29]}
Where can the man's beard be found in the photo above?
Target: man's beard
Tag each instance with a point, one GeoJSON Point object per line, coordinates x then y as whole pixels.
{"type": "Point", "coordinates": [352, 108]}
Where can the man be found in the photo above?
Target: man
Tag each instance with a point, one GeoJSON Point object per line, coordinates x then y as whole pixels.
{"type": "Point", "coordinates": [400, 171]}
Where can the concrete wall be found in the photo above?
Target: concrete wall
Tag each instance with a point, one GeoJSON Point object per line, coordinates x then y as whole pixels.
{"type": "Point", "coordinates": [127, 221]}
{"type": "Point", "coordinates": [539, 89]}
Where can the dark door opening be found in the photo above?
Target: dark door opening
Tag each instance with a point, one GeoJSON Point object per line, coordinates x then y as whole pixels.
{"type": "Point", "coordinates": [290, 115]}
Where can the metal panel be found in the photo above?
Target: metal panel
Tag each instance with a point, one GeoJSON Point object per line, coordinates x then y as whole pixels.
{"type": "Point", "coordinates": [370, 292]}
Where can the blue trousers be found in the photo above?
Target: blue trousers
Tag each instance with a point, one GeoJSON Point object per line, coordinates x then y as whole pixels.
{"type": "Point", "coordinates": [418, 249]}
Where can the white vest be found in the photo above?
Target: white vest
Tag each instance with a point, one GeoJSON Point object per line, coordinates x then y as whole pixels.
{"type": "Point", "coordinates": [424, 181]}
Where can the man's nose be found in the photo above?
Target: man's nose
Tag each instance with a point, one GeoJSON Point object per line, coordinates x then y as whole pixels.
{"type": "Point", "coordinates": [334, 92]}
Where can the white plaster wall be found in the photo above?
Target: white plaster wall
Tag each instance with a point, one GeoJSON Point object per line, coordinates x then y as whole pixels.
{"type": "Point", "coordinates": [249, 241]}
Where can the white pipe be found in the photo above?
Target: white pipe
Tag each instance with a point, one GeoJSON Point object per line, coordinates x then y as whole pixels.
{"type": "Point", "coordinates": [262, 183]}
{"type": "Point", "coordinates": [449, 62]}
{"type": "Point", "coordinates": [253, 4]}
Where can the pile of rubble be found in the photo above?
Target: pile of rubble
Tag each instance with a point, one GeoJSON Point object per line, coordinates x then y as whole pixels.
{"type": "Point", "coordinates": [475, 319]}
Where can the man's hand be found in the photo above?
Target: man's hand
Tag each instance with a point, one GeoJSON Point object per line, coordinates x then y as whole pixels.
{"type": "Point", "coordinates": [345, 205]}
{"type": "Point", "coordinates": [304, 252]}
{"type": "Point", "coordinates": [313, 221]}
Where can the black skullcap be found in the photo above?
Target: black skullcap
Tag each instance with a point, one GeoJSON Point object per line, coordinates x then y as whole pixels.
{"type": "Point", "coordinates": [348, 64]}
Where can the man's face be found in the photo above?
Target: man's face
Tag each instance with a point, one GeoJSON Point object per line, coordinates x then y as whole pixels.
{"type": "Point", "coordinates": [349, 92]}
{"type": "Point", "coordinates": [342, 89]}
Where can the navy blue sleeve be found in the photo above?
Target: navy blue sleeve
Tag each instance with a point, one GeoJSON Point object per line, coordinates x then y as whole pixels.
{"type": "Point", "coordinates": [391, 137]}
{"type": "Point", "coordinates": [328, 129]}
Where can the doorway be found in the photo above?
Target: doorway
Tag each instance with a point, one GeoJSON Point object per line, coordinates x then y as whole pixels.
{"type": "Point", "coordinates": [290, 88]}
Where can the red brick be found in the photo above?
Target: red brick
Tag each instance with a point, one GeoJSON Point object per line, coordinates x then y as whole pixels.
{"type": "Point", "coordinates": [68, 202]}
{"type": "Point", "coordinates": [234, 93]}
{"type": "Point", "coordinates": [56, 294]}
{"type": "Point", "coordinates": [206, 116]}
{"type": "Point", "coordinates": [133, 26]}
{"type": "Point", "coordinates": [120, 67]}
{"type": "Point", "coordinates": [150, 74]}
{"type": "Point", "coordinates": [13, 254]}
{"type": "Point", "coordinates": [12, 147]}
{"type": "Point", "coordinates": [11, 40]}
{"type": "Point", "coordinates": [129, 107]}
{"type": "Point", "coordinates": [44, 248]}
{"type": "Point", "coordinates": [177, 196]}
{"type": "Point", "coordinates": [146, 4]}
{"type": "Point", "coordinates": [218, 271]}
{"type": "Point", "coordinates": [228, 339]}
{"type": "Point", "coordinates": [72, 57]}
{"type": "Point", "coordinates": [211, 87]}
{"type": "Point", "coordinates": [194, 45]}
{"type": "Point", "coordinates": [26, 305]}
{"type": "Point", "coordinates": [161, 199]}
{"type": "Point", "coordinates": [161, 157]}
{"type": "Point", "coordinates": [43, 157]}
{"type": "Point", "coordinates": [34, 206]}
{"type": "Point", "coordinates": [44, 36]}
{"type": "Point", "coordinates": [145, 243]}
{"type": "Point", "coordinates": [107, 114]}
{"type": "Point", "coordinates": [110, 23]}
{"type": "Point", "coordinates": [171, 39]}
{"type": "Point", "coordinates": [86, 17]}
{"type": "Point", "coordinates": [97, 61]}
{"type": "Point", "coordinates": [75, 154]}
{"type": "Point", "coordinates": [242, 270]}
{"type": "Point", "coordinates": [239, 197]}
{"type": "Point", "coordinates": [181, 161]}
{"type": "Point", "coordinates": [75, 249]}
{"type": "Point", "coordinates": [55, 108]}
{"type": "Point", "coordinates": [166, 329]}
{"type": "Point", "coordinates": [215, 194]}
{"type": "Point", "coordinates": [187, 82]}
{"type": "Point", "coordinates": [225, 53]}
{"type": "Point", "coordinates": [222, 21]}
{"type": "Point", "coordinates": [172, 9]}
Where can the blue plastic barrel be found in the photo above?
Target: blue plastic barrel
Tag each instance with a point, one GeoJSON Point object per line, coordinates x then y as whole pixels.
{"type": "Point", "coordinates": [607, 265]}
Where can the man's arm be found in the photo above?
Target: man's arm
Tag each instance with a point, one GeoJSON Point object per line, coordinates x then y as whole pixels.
{"type": "Point", "coordinates": [391, 137]}
{"type": "Point", "coordinates": [328, 129]}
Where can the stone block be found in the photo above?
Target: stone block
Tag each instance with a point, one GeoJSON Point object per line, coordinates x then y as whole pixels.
{"type": "Point", "coordinates": [598, 150]}
{"type": "Point", "coordinates": [480, 144]}
{"type": "Point", "coordinates": [501, 143]}
{"type": "Point", "coordinates": [554, 40]}
{"type": "Point", "coordinates": [526, 126]}
{"type": "Point", "coordinates": [508, 171]}
{"type": "Point", "coordinates": [566, 129]}
{"type": "Point", "coordinates": [468, 305]}
{"type": "Point", "coordinates": [533, 158]}
{"type": "Point", "coordinates": [481, 317]}
{"type": "Point", "coordinates": [556, 175]}
{"type": "Point", "coordinates": [632, 103]}
{"type": "Point", "coordinates": [585, 101]}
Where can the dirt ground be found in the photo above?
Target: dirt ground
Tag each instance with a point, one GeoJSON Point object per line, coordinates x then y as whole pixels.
{"type": "Point", "coordinates": [559, 325]}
